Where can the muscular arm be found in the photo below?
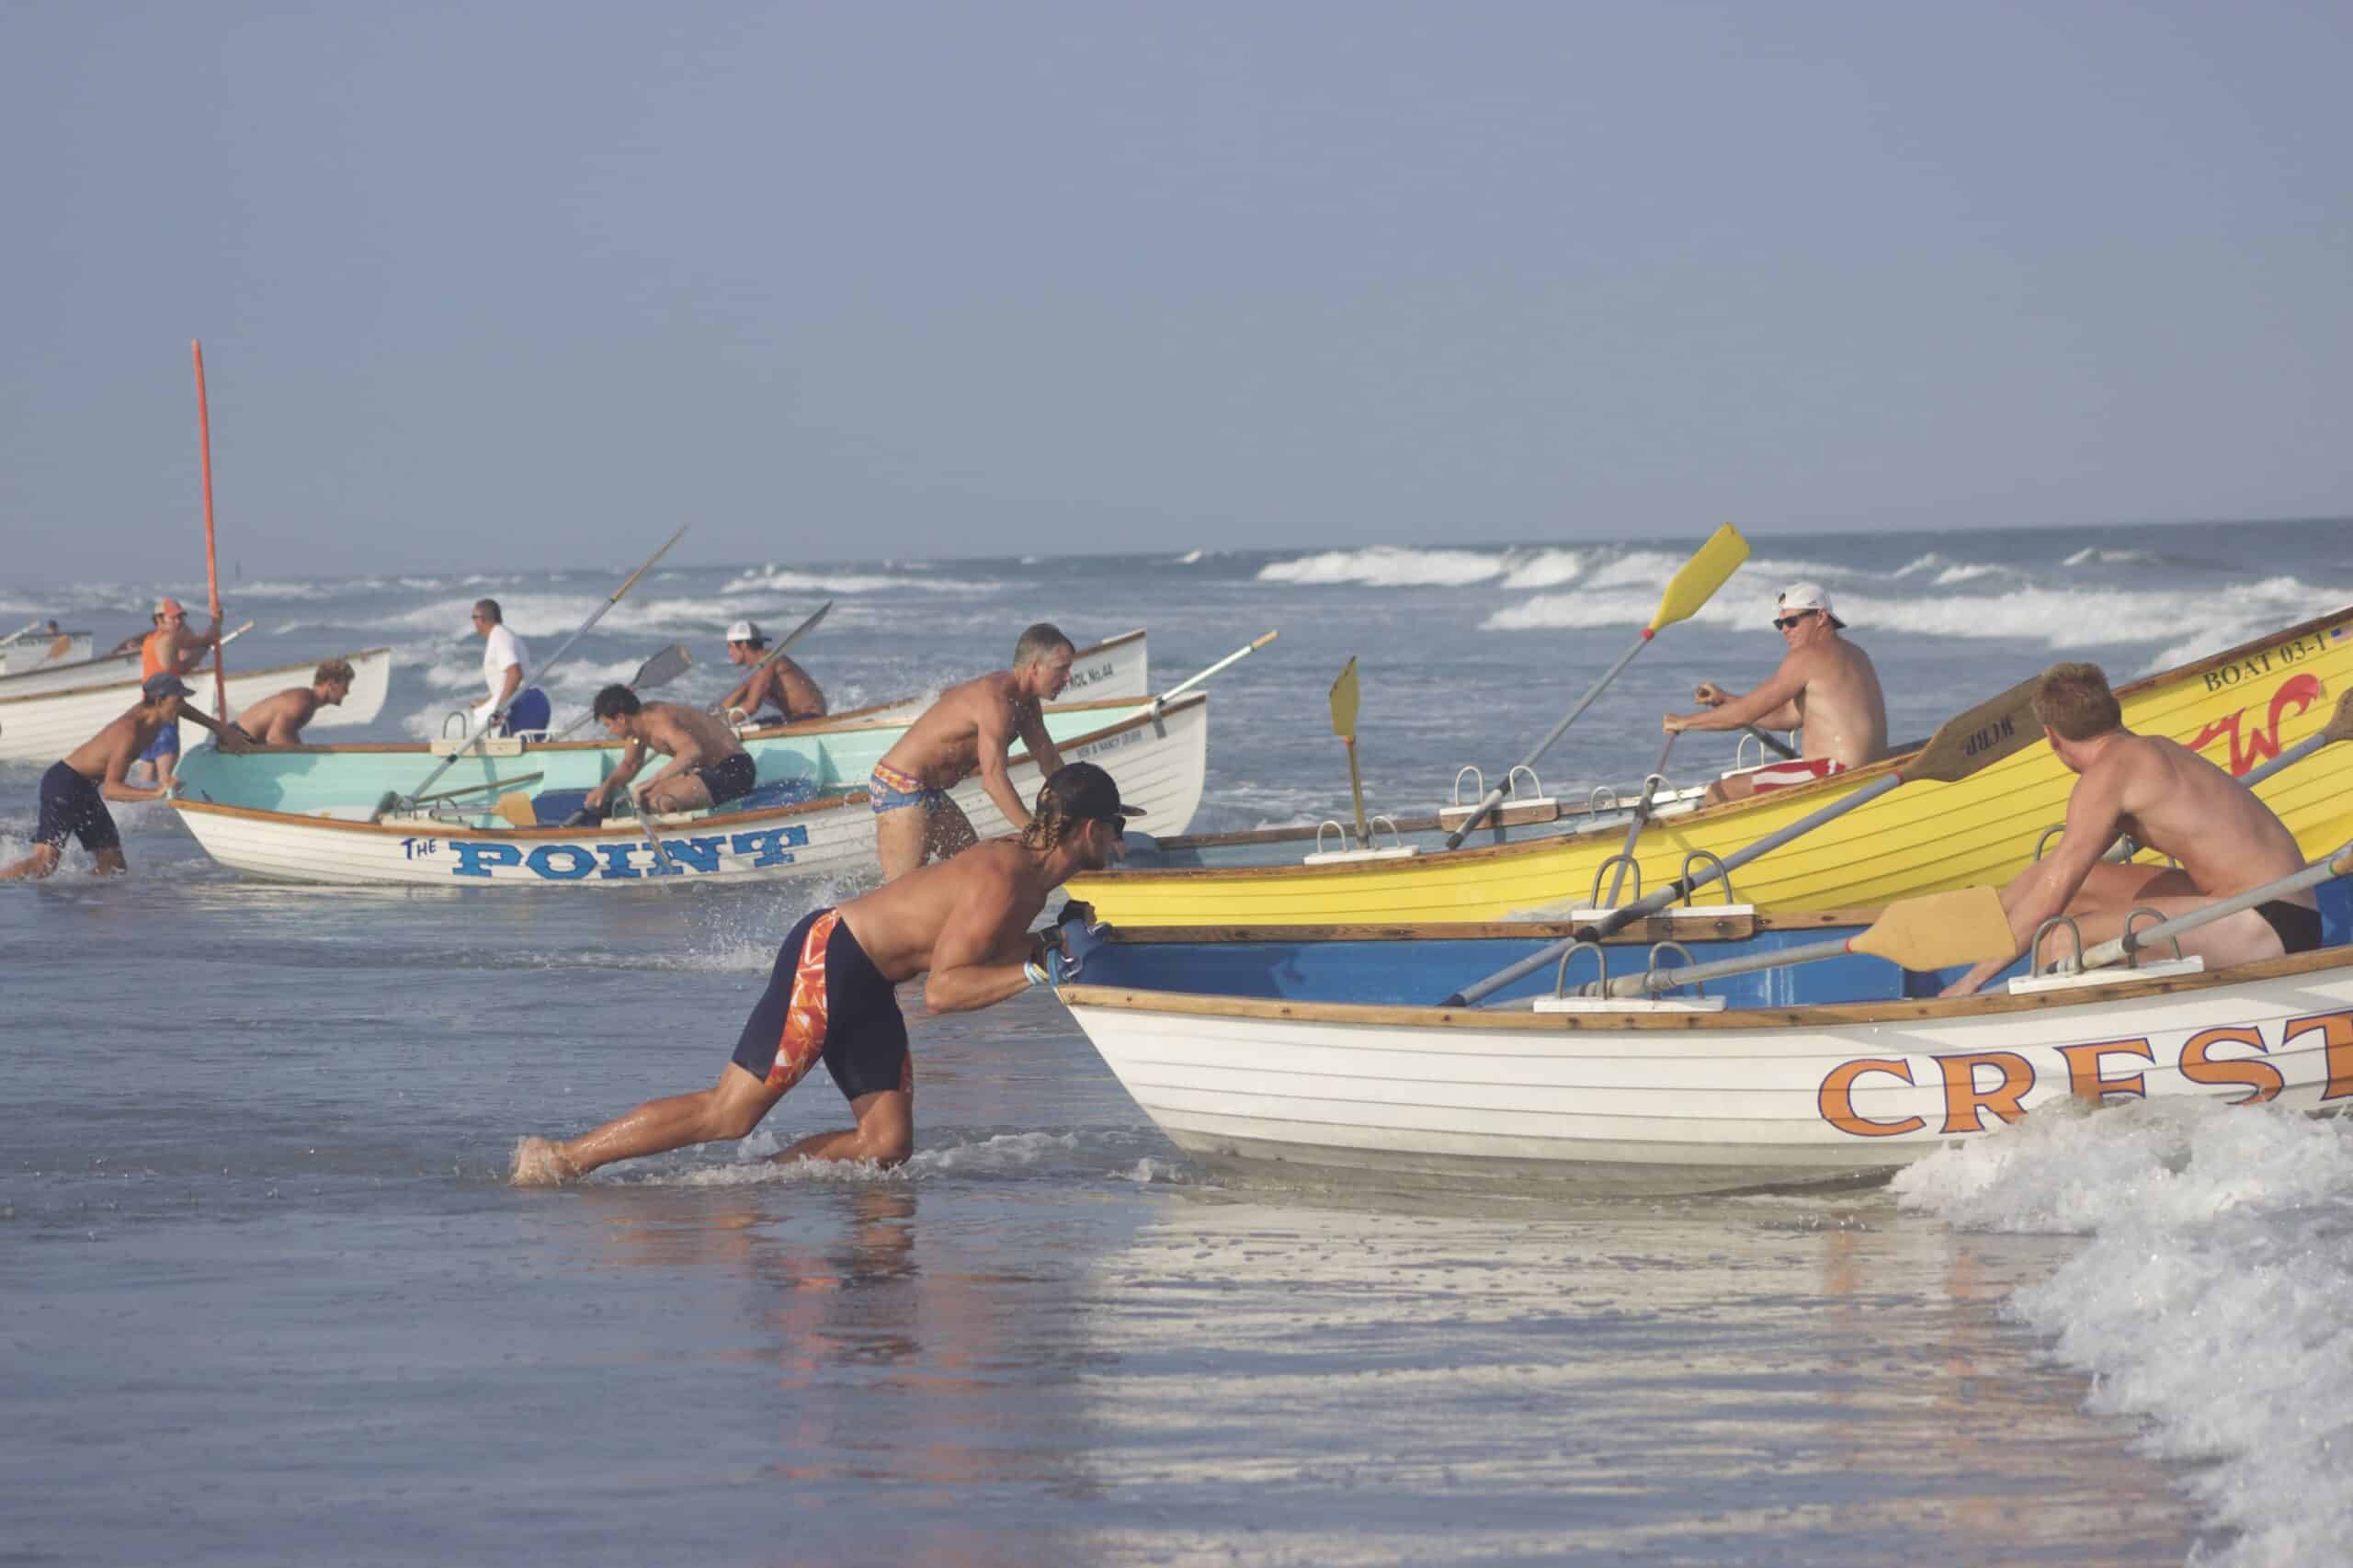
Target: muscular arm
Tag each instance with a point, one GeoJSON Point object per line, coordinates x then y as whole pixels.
{"type": "Point", "coordinates": [1773, 705]}
{"type": "Point", "coordinates": [686, 751]}
{"type": "Point", "coordinates": [234, 741]}
{"type": "Point", "coordinates": [632, 758]}
{"type": "Point", "coordinates": [993, 739]}
{"type": "Point", "coordinates": [1042, 744]}
{"type": "Point", "coordinates": [2095, 817]}
{"type": "Point", "coordinates": [977, 960]}
{"type": "Point", "coordinates": [114, 788]}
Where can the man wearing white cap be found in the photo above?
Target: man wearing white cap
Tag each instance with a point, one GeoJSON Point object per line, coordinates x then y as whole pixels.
{"type": "Point", "coordinates": [1825, 684]}
{"type": "Point", "coordinates": [779, 684]}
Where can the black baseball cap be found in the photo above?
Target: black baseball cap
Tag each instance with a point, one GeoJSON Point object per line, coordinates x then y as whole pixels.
{"type": "Point", "coordinates": [1083, 790]}
{"type": "Point", "coordinates": [162, 682]}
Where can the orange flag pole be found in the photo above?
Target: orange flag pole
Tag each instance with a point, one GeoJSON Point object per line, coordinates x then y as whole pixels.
{"type": "Point", "coordinates": [211, 562]}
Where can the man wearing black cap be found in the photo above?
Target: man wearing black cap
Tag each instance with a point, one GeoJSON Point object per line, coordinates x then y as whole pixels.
{"type": "Point", "coordinates": [963, 924]}
{"type": "Point", "coordinates": [73, 793]}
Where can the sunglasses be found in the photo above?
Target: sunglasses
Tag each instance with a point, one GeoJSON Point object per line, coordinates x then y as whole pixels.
{"type": "Point", "coordinates": [1782, 623]}
{"type": "Point", "coordinates": [1119, 827]}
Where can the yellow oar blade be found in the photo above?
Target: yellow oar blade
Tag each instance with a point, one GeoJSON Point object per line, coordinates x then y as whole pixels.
{"type": "Point", "coordinates": [1344, 703]}
{"type": "Point", "coordinates": [516, 809]}
{"type": "Point", "coordinates": [1965, 925]}
{"type": "Point", "coordinates": [1702, 576]}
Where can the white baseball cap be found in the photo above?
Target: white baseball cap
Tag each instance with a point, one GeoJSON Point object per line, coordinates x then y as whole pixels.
{"type": "Point", "coordinates": [744, 631]}
{"type": "Point", "coordinates": [1809, 596]}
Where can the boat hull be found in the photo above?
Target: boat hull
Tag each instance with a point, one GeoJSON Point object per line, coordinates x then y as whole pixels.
{"type": "Point", "coordinates": [45, 727]}
{"type": "Point", "coordinates": [25, 655]}
{"type": "Point", "coordinates": [2238, 709]}
{"type": "Point", "coordinates": [1160, 763]}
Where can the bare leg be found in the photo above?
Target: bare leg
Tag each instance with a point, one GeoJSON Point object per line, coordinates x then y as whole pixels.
{"type": "Point", "coordinates": [899, 840]}
{"type": "Point", "coordinates": [112, 863]}
{"type": "Point", "coordinates": [728, 1108]}
{"type": "Point", "coordinates": [680, 794]}
{"type": "Point", "coordinates": [951, 832]}
{"type": "Point", "coordinates": [885, 1132]}
{"type": "Point", "coordinates": [1739, 787]}
{"type": "Point", "coordinates": [35, 866]}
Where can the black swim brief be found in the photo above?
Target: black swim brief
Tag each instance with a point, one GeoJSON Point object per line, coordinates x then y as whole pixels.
{"type": "Point", "coordinates": [70, 805]}
{"type": "Point", "coordinates": [825, 998]}
{"type": "Point", "coordinates": [2297, 927]}
{"type": "Point", "coordinates": [728, 777]}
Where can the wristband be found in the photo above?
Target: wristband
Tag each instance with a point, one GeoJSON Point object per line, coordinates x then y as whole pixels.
{"type": "Point", "coordinates": [1037, 974]}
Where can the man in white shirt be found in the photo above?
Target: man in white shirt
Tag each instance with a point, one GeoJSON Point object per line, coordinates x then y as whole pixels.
{"type": "Point", "coordinates": [506, 671]}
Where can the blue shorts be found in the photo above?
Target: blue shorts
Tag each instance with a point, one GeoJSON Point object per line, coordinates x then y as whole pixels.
{"type": "Point", "coordinates": [888, 789]}
{"type": "Point", "coordinates": [826, 1000]}
{"type": "Point", "coordinates": [165, 744]}
{"type": "Point", "coordinates": [528, 712]}
{"type": "Point", "coordinates": [72, 806]}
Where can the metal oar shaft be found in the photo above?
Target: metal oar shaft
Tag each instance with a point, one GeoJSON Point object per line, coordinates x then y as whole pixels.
{"type": "Point", "coordinates": [1720, 969]}
{"type": "Point", "coordinates": [2311, 876]}
{"type": "Point", "coordinates": [791, 637]}
{"type": "Point", "coordinates": [1651, 783]}
{"type": "Point", "coordinates": [1493, 797]}
{"type": "Point", "coordinates": [1182, 686]}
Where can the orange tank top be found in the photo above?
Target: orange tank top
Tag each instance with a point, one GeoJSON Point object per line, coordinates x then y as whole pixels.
{"type": "Point", "coordinates": [151, 657]}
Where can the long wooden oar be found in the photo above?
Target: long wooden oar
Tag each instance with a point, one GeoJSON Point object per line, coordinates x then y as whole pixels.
{"type": "Point", "coordinates": [660, 670]}
{"type": "Point", "coordinates": [498, 713]}
{"type": "Point", "coordinates": [2123, 947]}
{"type": "Point", "coordinates": [1182, 686]}
{"type": "Point", "coordinates": [1992, 729]}
{"type": "Point", "coordinates": [1964, 925]}
{"type": "Point", "coordinates": [1343, 724]}
{"type": "Point", "coordinates": [1625, 855]}
{"type": "Point", "coordinates": [31, 626]}
{"type": "Point", "coordinates": [797, 634]}
{"type": "Point", "coordinates": [463, 790]}
{"type": "Point", "coordinates": [212, 560]}
{"type": "Point", "coordinates": [1686, 592]}
{"type": "Point", "coordinates": [2339, 728]}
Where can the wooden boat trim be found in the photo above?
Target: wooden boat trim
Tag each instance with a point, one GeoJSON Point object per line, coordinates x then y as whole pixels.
{"type": "Point", "coordinates": [1687, 821]}
{"type": "Point", "coordinates": [871, 708]}
{"type": "Point", "coordinates": [192, 678]}
{"type": "Point", "coordinates": [1833, 1014]}
{"type": "Point", "coordinates": [720, 821]}
{"type": "Point", "coordinates": [1658, 928]}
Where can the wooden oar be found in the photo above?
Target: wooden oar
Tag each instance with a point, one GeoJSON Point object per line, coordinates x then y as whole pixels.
{"type": "Point", "coordinates": [660, 670]}
{"type": "Point", "coordinates": [1343, 724]}
{"type": "Point", "coordinates": [31, 626]}
{"type": "Point", "coordinates": [212, 560]}
{"type": "Point", "coordinates": [392, 799]}
{"type": "Point", "coordinates": [2340, 727]}
{"type": "Point", "coordinates": [2123, 947]}
{"type": "Point", "coordinates": [797, 634]}
{"type": "Point", "coordinates": [1686, 592]}
{"type": "Point", "coordinates": [1992, 729]}
{"type": "Point", "coordinates": [477, 788]}
{"type": "Point", "coordinates": [1625, 855]}
{"type": "Point", "coordinates": [1964, 925]}
{"type": "Point", "coordinates": [1182, 686]}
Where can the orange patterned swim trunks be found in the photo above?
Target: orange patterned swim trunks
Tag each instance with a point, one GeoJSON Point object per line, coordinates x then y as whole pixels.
{"type": "Point", "coordinates": [825, 1001]}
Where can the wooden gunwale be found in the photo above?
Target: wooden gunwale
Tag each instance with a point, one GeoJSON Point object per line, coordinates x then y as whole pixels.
{"type": "Point", "coordinates": [1731, 928]}
{"type": "Point", "coordinates": [134, 684]}
{"type": "Point", "coordinates": [413, 827]}
{"type": "Point", "coordinates": [1685, 822]}
{"type": "Point", "coordinates": [1751, 1020]}
{"type": "Point", "coordinates": [874, 707]}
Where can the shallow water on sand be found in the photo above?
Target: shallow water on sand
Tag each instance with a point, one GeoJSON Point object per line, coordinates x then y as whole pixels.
{"type": "Point", "coordinates": [267, 1296]}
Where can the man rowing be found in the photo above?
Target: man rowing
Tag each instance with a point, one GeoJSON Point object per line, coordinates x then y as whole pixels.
{"type": "Point", "coordinates": [506, 673]}
{"type": "Point", "coordinates": [171, 649]}
{"type": "Point", "coordinates": [2168, 798]}
{"type": "Point", "coordinates": [967, 731]}
{"type": "Point", "coordinates": [278, 720]}
{"type": "Point", "coordinates": [775, 682]}
{"type": "Point", "coordinates": [964, 924]}
{"type": "Point", "coordinates": [709, 767]}
{"type": "Point", "coordinates": [75, 793]}
{"type": "Point", "coordinates": [1824, 684]}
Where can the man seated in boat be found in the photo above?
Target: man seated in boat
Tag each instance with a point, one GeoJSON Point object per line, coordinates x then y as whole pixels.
{"type": "Point", "coordinates": [964, 924]}
{"type": "Point", "coordinates": [170, 649]}
{"type": "Point", "coordinates": [777, 691]}
{"type": "Point", "coordinates": [506, 673]}
{"type": "Point", "coordinates": [709, 767]}
{"type": "Point", "coordinates": [75, 793]}
{"type": "Point", "coordinates": [968, 730]}
{"type": "Point", "coordinates": [1825, 684]}
{"type": "Point", "coordinates": [2170, 800]}
{"type": "Point", "coordinates": [278, 720]}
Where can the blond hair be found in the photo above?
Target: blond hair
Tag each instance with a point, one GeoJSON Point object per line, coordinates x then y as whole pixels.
{"type": "Point", "coordinates": [2072, 701]}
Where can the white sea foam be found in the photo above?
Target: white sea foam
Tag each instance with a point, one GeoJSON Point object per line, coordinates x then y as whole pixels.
{"type": "Point", "coordinates": [1388, 567]}
{"type": "Point", "coordinates": [2091, 555]}
{"type": "Point", "coordinates": [777, 579]}
{"type": "Point", "coordinates": [1547, 569]}
{"type": "Point", "coordinates": [2208, 1299]}
{"type": "Point", "coordinates": [1187, 559]}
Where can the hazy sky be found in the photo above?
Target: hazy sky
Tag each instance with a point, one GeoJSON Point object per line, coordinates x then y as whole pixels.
{"type": "Point", "coordinates": [508, 283]}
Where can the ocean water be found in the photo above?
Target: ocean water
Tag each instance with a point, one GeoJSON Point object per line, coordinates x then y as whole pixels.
{"type": "Point", "coordinates": [265, 1297]}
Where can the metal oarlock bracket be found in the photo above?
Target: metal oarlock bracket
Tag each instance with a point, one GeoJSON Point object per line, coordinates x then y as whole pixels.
{"type": "Point", "coordinates": [1740, 763]}
{"type": "Point", "coordinates": [1332, 825]}
{"type": "Point", "coordinates": [2132, 960]}
{"type": "Point", "coordinates": [1698, 988]}
{"type": "Point", "coordinates": [1479, 786]}
{"type": "Point", "coordinates": [2042, 839]}
{"type": "Point", "coordinates": [1511, 784]}
{"type": "Point", "coordinates": [1603, 798]}
{"type": "Point", "coordinates": [1722, 875]}
{"type": "Point", "coordinates": [464, 717]}
{"type": "Point", "coordinates": [1603, 869]}
{"type": "Point", "coordinates": [1396, 834]}
{"type": "Point", "coordinates": [1601, 962]}
{"type": "Point", "coordinates": [2054, 923]}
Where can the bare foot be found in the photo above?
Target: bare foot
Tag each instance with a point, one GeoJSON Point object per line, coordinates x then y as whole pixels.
{"type": "Point", "coordinates": [539, 1163]}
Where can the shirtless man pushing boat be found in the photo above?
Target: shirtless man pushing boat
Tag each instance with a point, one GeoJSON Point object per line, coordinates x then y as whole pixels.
{"type": "Point", "coordinates": [709, 767]}
{"type": "Point", "coordinates": [75, 793]}
{"type": "Point", "coordinates": [278, 720]}
{"type": "Point", "coordinates": [968, 730]}
{"type": "Point", "coordinates": [964, 924]}
{"type": "Point", "coordinates": [1825, 684]}
{"type": "Point", "coordinates": [775, 682]}
{"type": "Point", "coordinates": [2168, 799]}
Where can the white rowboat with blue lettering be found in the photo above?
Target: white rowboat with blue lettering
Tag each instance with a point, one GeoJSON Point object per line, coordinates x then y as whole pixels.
{"type": "Point", "coordinates": [809, 815]}
{"type": "Point", "coordinates": [44, 726]}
